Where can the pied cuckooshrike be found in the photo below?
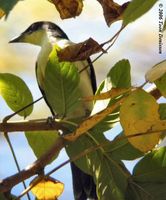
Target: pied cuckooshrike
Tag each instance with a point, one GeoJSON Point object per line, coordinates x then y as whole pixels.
{"type": "Point", "coordinates": [46, 35]}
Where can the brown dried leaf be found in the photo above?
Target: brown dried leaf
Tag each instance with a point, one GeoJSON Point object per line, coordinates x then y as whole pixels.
{"type": "Point", "coordinates": [80, 51]}
{"type": "Point", "coordinates": [68, 8]}
{"type": "Point", "coordinates": [92, 121]}
{"type": "Point", "coordinates": [112, 11]}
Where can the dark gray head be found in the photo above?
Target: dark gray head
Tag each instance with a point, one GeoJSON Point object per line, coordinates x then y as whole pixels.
{"type": "Point", "coordinates": [35, 33]}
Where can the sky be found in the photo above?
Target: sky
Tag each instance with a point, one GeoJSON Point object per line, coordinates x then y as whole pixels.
{"type": "Point", "coordinates": [138, 43]}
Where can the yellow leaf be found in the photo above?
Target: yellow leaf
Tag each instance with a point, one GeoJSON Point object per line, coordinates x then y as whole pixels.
{"type": "Point", "coordinates": [47, 189]}
{"type": "Point", "coordinates": [91, 121]}
{"type": "Point", "coordinates": [137, 115]}
{"type": "Point", "coordinates": [114, 92]}
{"type": "Point", "coordinates": [68, 8]}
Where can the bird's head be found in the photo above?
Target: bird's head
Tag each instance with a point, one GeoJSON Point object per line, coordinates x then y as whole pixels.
{"type": "Point", "coordinates": [37, 32]}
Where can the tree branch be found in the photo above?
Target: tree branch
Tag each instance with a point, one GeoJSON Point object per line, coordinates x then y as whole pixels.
{"type": "Point", "coordinates": [32, 125]}
{"type": "Point", "coordinates": [35, 168]}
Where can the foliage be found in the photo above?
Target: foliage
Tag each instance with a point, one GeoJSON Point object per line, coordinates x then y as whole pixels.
{"type": "Point", "coordinates": [41, 141]}
{"type": "Point", "coordinates": [52, 188]}
{"type": "Point", "coordinates": [141, 117]}
{"type": "Point", "coordinates": [16, 94]}
{"type": "Point", "coordinates": [63, 81]}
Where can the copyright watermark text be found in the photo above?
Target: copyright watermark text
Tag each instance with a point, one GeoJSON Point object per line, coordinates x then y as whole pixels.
{"type": "Point", "coordinates": [160, 26]}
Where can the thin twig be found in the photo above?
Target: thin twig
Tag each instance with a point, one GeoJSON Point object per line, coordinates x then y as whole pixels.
{"type": "Point", "coordinates": [25, 107]}
{"type": "Point", "coordinates": [113, 40]}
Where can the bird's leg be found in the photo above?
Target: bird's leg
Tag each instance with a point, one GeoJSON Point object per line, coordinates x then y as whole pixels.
{"type": "Point", "coordinates": [52, 119]}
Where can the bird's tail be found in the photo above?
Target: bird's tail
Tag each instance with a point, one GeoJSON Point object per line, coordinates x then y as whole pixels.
{"type": "Point", "coordinates": [83, 184]}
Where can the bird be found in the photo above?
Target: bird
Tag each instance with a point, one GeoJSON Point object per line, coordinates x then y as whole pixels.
{"type": "Point", "coordinates": [46, 34]}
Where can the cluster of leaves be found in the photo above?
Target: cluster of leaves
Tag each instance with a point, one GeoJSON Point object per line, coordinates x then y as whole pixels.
{"type": "Point", "coordinates": [141, 116]}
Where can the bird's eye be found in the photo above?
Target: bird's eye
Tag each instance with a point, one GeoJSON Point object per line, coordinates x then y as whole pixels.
{"type": "Point", "coordinates": [30, 32]}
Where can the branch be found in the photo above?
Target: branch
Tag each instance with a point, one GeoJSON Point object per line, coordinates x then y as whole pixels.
{"type": "Point", "coordinates": [35, 168]}
{"type": "Point", "coordinates": [32, 125]}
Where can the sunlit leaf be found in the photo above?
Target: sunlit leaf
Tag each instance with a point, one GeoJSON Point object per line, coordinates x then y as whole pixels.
{"type": "Point", "coordinates": [120, 74]}
{"type": "Point", "coordinates": [61, 85]}
{"type": "Point", "coordinates": [6, 6]}
{"type": "Point", "coordinates": [41, 141]}
{"type": "Point", "coordinates": [68, 8]}
{"type": "Point", "coordinates": [47, 189]}
{"type": "Point", "coordinates": [156, 71]}
{"type": "Point", "coordinates": [137, 115]}
{"type": "Point", "coordinates": [80, 51]}
{"type": "Point", "coordinates": [112, 11]}
{"type": "Point", "coordinates": [136, 9]}
{"type": "Point", "coordinates": [16, 93]}
{"type": "Point", "coordinates": [119, 78]}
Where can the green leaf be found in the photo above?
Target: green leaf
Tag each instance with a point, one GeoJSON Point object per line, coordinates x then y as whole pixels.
{"type": "Point", "coordinates": [121, 149]}
{"type": "Point", "coordinates": [41, 141]}
{"type": "Point", "coordinates": [6, 6]}
{"type": "Point", "coordinates": [16, 93]}
{"type": "Point", "coordinates": [156, 190]}
{"type": "Point", "coordinates": [61, 85]}
{"type": "Point", "coordinates": [2, 197]}
{"type": "Point", "coordinates": [120, 74]}
{"type": "Point", "coordinates": [109, 175]}
{"type": "Point", "coordinates": [118, 77]}
{"type": "Point", "coordinates": [152, 168]}
{"type": "Point", "coordinates": [107, 123]}
{"type": "Point", "coordinates": [162, 111]}
{"type": "Point", "coordinates": [144, 191]}
{"type": "Point", "coordinates": [149, 177]}
{"type": "Point", "coordinates": [161, 84]}
{"type": "Point", "coordinates": [136, 9]}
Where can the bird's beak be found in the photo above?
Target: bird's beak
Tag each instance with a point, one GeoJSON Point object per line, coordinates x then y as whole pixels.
{"type": "Point", "coordinates": [17, 39]}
